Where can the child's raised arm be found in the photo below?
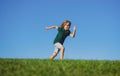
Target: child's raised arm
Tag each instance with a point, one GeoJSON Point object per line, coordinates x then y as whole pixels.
{"type": "Point", "coordinates": [74, 32]}
{"type": "Point", "coordinates": [50, 27]}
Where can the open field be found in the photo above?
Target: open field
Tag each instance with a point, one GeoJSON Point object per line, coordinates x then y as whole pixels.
{"type": "Point", "coordinates": [39, 67]}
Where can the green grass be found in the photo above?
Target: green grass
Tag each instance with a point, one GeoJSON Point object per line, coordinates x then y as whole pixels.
{"type": "Point", "coordinates": [39, 67]}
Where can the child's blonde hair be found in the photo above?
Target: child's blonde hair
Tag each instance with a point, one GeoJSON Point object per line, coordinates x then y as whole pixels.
{"type": "Point", "coordinates": [66, 21]}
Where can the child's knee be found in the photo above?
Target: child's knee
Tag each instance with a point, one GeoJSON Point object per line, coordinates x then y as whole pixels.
{"type": "Point", "coordinates": [63, 48]}
{"type": "Point", "coordinates": [54, 54]}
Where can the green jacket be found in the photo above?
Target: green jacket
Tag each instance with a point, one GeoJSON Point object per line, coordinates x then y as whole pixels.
{"type": "Point", "coordinates": [61, 36]}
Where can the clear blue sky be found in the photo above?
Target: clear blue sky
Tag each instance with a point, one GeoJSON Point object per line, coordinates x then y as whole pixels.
{"type": "Point", "coordinates": [22, 33]}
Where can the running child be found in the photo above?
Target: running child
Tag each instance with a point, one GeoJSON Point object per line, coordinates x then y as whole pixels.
{"type": "Point", "coordinates": [63, 32]}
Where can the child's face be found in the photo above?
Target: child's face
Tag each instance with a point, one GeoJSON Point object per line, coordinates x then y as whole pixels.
{"type": "Point", "coordinates": [67, 26]}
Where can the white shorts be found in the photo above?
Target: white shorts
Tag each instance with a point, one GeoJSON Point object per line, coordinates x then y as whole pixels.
{"type": "Point", "coordinates": [57, 47]}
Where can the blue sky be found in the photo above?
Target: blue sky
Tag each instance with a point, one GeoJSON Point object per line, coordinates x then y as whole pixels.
{"type": "Point", "coordinates": [22, 33]}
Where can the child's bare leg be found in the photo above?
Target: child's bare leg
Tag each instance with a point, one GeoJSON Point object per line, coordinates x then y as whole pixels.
{"type": "Point", "coordinates": [53, 56]}
{"type": "Point", "coordinates": [62, 52]}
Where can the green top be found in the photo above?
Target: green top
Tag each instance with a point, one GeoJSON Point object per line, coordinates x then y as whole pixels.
{"type": "Point", "coordinates": [61, 36]}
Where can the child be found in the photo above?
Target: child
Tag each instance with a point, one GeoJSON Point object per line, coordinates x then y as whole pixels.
{"type": "Point", "coordinates": [63, 32]}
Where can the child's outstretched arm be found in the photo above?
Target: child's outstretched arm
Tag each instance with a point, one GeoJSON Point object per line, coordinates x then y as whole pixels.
{"type": "Point", "coordinates": [74, 32]}
{"type": "Point", "coordinates": [50, 27]}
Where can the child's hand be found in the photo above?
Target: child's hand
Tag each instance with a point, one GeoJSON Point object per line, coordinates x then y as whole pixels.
{"type": "Point", "coordinates": [47, 28]}
{"type": "Point", "coordinates": [74, 28]}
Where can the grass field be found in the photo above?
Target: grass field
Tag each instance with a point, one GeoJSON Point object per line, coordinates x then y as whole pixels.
{"type": "Point", "coordinates": [39, 67]}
